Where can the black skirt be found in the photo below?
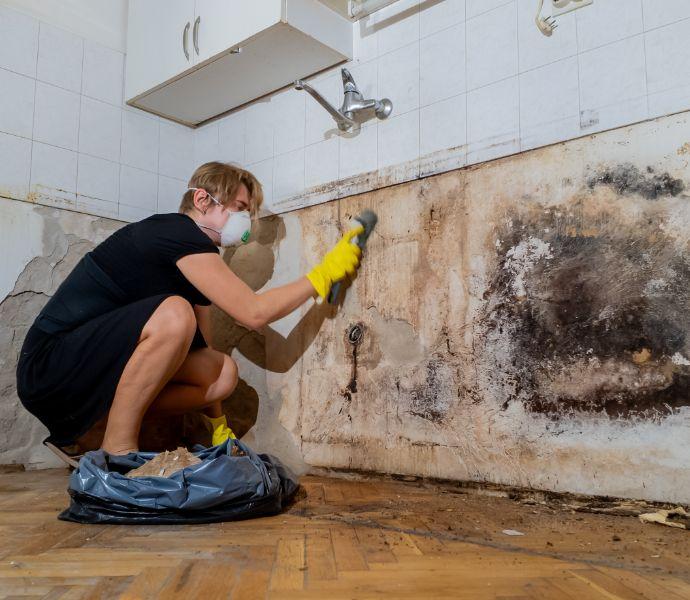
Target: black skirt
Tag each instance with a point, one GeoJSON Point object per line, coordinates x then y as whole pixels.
{"type": "Point", "coordinates": [68, 379]}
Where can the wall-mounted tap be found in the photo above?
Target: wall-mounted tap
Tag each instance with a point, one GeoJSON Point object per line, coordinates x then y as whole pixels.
{"type": "Point", "coordinates": [355, 109]}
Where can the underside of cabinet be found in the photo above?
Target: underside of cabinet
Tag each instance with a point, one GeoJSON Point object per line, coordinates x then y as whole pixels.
{"type": "Point", "coordinates": [266, 63]}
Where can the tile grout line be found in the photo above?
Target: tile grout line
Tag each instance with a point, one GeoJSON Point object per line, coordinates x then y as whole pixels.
{"type": "Point", "coordinates": [81, 88]}
{"type": "Point", "coordinates": [33, 116]}
{"type": "Point", "coordinates": [644, 47]}
{"type": "Point", "coordinates": [519, 86]}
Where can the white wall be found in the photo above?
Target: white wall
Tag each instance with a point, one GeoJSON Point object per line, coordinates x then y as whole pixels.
{"type": "Point", "coordinates": [66, 138]}
{"type": "Point", "coordinates": [102, 21]}
{"type": "Point", "coordinates": [471, 80]}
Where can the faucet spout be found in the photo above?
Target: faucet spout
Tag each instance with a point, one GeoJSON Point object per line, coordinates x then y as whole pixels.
{"type": "Point", "coordinates": [355, 109]}
{"type": "Point", "coordinates": [344, 123]}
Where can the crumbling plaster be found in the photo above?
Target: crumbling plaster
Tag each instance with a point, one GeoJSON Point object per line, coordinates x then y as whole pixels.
{"type": "Point", "coordinates": [40, 247]}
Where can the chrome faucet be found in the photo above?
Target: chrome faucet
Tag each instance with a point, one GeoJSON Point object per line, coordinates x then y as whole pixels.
{"type": "Point", "coordinates": [355, 109]}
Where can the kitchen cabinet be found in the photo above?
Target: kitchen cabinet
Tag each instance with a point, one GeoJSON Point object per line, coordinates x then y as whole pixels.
{"type": "Point", "coordinates": [192, 60]}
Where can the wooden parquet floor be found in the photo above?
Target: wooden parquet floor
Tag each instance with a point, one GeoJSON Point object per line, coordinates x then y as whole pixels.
{"type": "Point", "coordinates": [341, 539]}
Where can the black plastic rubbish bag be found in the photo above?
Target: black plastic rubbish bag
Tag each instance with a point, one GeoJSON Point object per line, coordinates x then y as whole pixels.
{"type": "Point", "coordinates": [220, 488]}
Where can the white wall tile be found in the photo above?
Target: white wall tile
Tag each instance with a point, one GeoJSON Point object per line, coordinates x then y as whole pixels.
{"type": "Point", "coordinates": [358, 152]}
{"type": "Point", "coordinates": [658, 14]}
{"type": "Point", "coordinates": [608, 21]}
{"type": "Point", "coordinates": [100, 129]}
{"type": "Point", "coordinates": [549, 104]}
{"type": "Point", "coordinates": [668, 68]}
{"type": "Point", "coordinates": [442, 65]}
{"type": "Point", "coordinates": [399, 78]}
{"type": "Point", "coordinates": [443, 125]}
{"type": "Point", "coordinates": [98, 207]}
{"type": "Point", "coordinates": [365, 41]}
{"type": "Point", "coordinates": [176, 156]}
{"type": "Point", "coordinates": [232, 138]}
{"type": "Point", "coordinates": [478, 7]}
{"type": "Point", "coordinates": [493, 121]}
{"type": "Point", "coordinates": [138, 188]}
{"type": "Point", "coordinates": [290, 111]}
{"type": "Point", "coordinates": [206, 146]}
{"type": "Point", "coordinates": [16, 103]}
{"type": "Point", "coordinates": [537, 50]}
{"type": "Point", "coordinates": [398, 139]}
{"type": "Point", "coordinates": [139, 141]}
{"type": "Point", "coordinates": [397, 25]}
{"type": "Point", "coordinates": [258, 145]}
{"type": "Point", "coordinates": [613, 89]}
{"type": "Point", "coordinates": [170, 192]}
{"type": "Point", "coordinates": [103, 73]}
{"type": "Point", "coordinates": [98, 178]}
{"type": "Point", "coordinates": [321, 162]}
{"type": "Point", "coordinates": [15, 166]}
{"type": "Point", "coordinates": [56, 116]}
{"type": "Point", "coordinates": [60, 58]}
{"type": "Point", "coordinates": [54, 174]}
{"type": "Point", "coordinates": [263, 171]}
{"type": "Point", "coordinates": [19, 35]}
{"type": "Point", "coordinates": [288, 175]}
{"type": "Point", "coordinates": [320, 125]}
{"type": "Point", "coordinates": [438, 16]}
{"type": "Point", "coordinates": [492, 47]}
{"type": "Point", "coordinates": [132, 214]}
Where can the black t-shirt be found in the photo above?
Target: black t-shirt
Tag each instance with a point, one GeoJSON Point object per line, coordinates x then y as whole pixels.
{"type": "Point", "coordinates": [140, 258]}
{"type": "Point", "coordinates": [135, 262]}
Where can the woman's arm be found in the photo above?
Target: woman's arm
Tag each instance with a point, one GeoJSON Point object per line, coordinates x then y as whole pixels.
{"type": "Point", "coordinates": [203, 320]}
{"type": "Point", "coordinates": [215, 280]}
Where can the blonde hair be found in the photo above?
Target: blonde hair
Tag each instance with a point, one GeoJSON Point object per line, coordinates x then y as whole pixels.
{"type": "Point", "coordinates": [223, 180]}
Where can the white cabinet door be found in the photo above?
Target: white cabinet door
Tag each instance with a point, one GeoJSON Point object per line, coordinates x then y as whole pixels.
{"type": "Point", "coordinates": [155, 42]}
{"type": "Point", "coordinates": [223, 24]}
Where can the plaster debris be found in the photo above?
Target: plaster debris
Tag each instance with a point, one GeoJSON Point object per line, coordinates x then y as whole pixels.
{"type": "Point", "coordinates": [678, 517]}
{"type": "Point", "coordinates": [165, 464]}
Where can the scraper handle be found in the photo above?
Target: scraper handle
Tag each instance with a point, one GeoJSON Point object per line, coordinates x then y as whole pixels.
{"type": "Point", "coordinates": [368, 220]}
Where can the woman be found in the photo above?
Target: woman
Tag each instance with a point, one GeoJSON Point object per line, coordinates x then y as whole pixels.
{"type": "Point", "coordinates": [126, 333]}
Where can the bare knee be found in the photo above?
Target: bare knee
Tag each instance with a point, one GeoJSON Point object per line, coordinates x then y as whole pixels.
{"type": "Point", "coordinates": [226, 382]}
{"type": "Point", "coordinates": [173, 320]}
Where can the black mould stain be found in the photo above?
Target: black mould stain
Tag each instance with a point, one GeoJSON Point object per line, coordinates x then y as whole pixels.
{"type": "Point", "coordinates": [429, 400]}
{"type": "Point", "coordinates": [628, 179]}
{"type": "Point", "coordinates": [592, 323]}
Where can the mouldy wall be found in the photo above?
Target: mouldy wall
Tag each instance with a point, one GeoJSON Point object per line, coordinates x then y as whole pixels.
{"type": "Point", "coordinates": [525, 322]}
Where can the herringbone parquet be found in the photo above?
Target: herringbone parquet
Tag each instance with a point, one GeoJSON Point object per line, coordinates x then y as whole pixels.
{"type": "Point", "coordinates": [342, 539]}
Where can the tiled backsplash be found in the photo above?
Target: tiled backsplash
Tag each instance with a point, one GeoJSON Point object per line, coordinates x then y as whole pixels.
{"type": "Point", "coordinates": [470, 80]}
{"type": "Point", "coordinates": [66, 137]}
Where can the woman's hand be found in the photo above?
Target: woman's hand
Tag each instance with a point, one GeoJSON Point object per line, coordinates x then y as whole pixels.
{"type": "Point", "coordinates": [342, 260]}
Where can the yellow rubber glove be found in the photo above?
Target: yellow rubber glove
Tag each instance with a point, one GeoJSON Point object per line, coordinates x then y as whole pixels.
{"type": "Point", "coordinates": [342, 260]}
{"type": "Point", "coordinates": [219, 428]}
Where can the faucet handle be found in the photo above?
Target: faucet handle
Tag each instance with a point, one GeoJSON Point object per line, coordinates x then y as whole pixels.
{"type": "Point", "coordinates": [349, 84]}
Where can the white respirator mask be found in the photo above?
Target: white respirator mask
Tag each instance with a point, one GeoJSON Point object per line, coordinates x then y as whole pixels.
{"type": "Point", "coordinates": [237, 228]}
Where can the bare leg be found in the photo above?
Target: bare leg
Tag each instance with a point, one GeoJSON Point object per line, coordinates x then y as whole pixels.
{"type": "Point", "coordinates": [205, 379]}
{"type": "Point", "coordinates": [162, 348]}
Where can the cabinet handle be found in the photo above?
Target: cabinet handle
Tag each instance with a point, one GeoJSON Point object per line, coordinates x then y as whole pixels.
{"type": "Point", "coordinates": [184, 40]}
{"type": "Point", "coordinates": [196, 35]}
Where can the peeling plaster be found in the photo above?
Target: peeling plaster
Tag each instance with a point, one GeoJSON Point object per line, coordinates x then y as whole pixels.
{"type": "Point", "coordinates": [44, 245]}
